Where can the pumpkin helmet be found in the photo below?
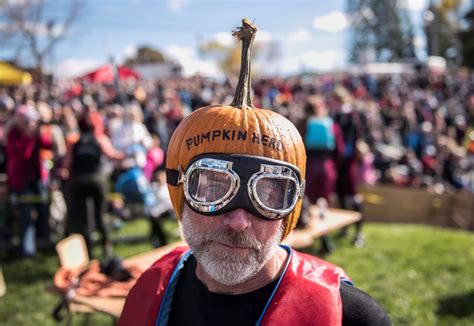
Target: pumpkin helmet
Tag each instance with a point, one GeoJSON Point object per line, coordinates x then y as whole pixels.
{"type": "Point", "coordinates": [236, 129]}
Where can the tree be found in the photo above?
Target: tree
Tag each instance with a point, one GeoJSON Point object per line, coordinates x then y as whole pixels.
{"type": "Point", "coordinates": [466, 37]}
{"type": "Point", "coordinates": [380, 30]}
{"type": "Point", "coordinates": [228, 55]}
{"type": "Point", "coordinates": [146, 55]}
{"type": "Point", "coordinates": [30, 27]}
{"type": "Point", "coordinates": [441, 27]}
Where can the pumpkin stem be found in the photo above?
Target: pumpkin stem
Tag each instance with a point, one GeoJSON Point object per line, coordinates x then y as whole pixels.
{"type": "Point", "coordinates": [242, 97]}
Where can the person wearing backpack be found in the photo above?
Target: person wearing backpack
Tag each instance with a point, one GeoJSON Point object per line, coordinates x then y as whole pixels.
{"type": "Point", "coordinates": [88, 182]}
{"type": "Point", "coordinates": [324, 147]}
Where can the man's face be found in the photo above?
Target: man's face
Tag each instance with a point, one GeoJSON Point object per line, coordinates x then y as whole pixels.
{"type": "Point", "coordinates": [231, 248]}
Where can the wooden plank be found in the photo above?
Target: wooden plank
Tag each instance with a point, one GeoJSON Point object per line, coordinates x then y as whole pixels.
{"type": "Point", "coordinates": [317, 227]}
{"type": "Point", "coordinates": [110, 306]}
{"type": "Point", "coordinates": [388, 203]}
{"type": "Point", "coordinates": [394, 204]}
{"type": "Point", "coordinates": [3, 286]}
{"type": "Point", "coordinates": [114, 306]}
{"type": "Point", "coordinates": [463, 218]}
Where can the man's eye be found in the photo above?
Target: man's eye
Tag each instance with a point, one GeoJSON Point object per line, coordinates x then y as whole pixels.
{"type": "Point", "coordinates": [266, 195]}
{"type": "Point", "coordinates": [217, 190]}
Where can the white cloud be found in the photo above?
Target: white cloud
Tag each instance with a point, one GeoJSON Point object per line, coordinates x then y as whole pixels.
{"type": "Point", "coordinates": [300, 35]}
{"type": "Point", "coordinates": [413, 5]}
{"type": "Point", "coordinates": [128, 52]}
{"type": "Point", "coordinates": [312, 60]}
{"type": "Point", "coordinates": [323, 60]}
{"type": "Point", "coordinates": [263, 37]}
{"type": "Point", "coordinates": [71, 68]}
{"type": "Point", "coordinates": [7, 27]}
{"type": "Point", "coordinates": [224, 38]}
{"type": "Point", "coordinates": [177, 5]}
{"type": "Point", "coordinates": [335, 21]}
{"type": "Point", "coordinates": [188, 58]}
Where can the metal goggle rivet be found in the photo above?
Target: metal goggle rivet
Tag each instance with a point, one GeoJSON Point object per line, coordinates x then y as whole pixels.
{"type": "Point", "coordinates": [181, 175]}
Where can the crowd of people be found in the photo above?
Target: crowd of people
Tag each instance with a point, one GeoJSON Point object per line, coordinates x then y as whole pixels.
{"type": "Point", "coordinates": [412, 130]}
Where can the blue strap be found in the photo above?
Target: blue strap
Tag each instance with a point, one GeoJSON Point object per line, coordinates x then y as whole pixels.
{"type": "Point", "coordinates": [165, 308]}
{"type": "Point", "coordinates": [290, 253]}
{"type": "Point", "coordinates": [347, 281]}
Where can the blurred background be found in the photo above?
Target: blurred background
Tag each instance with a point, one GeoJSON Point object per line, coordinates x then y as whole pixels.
{"type": "Point", "coordinates": [388, 83]}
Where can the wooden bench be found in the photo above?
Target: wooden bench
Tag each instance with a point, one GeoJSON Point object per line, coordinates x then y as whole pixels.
{"type": "Point", "coordinates": [389, 203]}
{"type": "Point", "coordinates": [334, 220]}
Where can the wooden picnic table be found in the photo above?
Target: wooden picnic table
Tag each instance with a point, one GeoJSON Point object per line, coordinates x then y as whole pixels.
{"type": "Point", "coordinates": [334, 219]}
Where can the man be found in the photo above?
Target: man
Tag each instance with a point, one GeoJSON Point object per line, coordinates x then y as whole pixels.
{"type": "Point", "coordinates": [237, 198]}
{"type": "Point", "coordinates": [236, 272]}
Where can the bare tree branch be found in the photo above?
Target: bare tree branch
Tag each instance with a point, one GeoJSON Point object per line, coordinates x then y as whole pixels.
{"type": "Point", "coordinates": [25, 25]}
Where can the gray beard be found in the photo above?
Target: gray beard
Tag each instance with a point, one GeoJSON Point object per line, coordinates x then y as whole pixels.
{"type": "Point", "coordinates": [223, 266]}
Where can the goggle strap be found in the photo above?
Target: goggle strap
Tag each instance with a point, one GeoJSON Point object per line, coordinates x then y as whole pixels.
{"type": "Point", "coordinates": [173, 177]}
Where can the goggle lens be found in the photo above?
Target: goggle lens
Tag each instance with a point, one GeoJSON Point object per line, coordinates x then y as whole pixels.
{"type": "Point", "coordinates": [219, 183]}
{"type": "Point", "coordinates": [207, 186]}
{"type": "Point", "coordinates": [276, 193]}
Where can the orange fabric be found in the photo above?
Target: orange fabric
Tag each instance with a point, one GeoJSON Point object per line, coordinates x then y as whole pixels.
{"type": "Point", "coordinates": [94, 283]}
{"type": "Point", "coordinates": [46, 153]}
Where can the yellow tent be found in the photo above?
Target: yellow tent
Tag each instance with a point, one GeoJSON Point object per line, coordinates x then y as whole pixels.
{"type": "Point", "coordinates": [9, 75]}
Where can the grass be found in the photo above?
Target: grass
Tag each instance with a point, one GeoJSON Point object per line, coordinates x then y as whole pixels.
{"type": "Point", "coordinates": [421, 275]}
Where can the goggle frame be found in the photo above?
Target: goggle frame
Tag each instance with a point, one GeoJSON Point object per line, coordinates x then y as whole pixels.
{"type": "Point", "coordinates": [267, 170]}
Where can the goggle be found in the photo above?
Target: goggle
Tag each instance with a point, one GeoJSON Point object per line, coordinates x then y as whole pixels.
{"type": "Point", "coordinates": [215, 184]}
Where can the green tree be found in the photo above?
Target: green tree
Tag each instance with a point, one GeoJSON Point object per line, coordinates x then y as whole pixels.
{"type": "Point", "coordinates": [441, 28]}
{"type": "Point", "coordinates": [228, 56]}
{"type": "Point", "coordinates": [380, 30]}
{"type": "Point", "coordinates": [466, 37]}
{"type": "Point", "coordinates": [144, 55]}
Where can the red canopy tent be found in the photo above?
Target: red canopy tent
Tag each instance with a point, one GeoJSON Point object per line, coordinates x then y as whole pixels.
{"type": "Point", "coordinates": [105, 75]}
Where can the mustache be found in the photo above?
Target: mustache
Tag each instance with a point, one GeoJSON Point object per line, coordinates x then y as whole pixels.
{"type": "Point", "coordinates": [235, 239]}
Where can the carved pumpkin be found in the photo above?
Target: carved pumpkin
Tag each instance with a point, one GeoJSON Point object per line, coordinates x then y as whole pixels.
{"type": "Point", "coordinates": [238, 128]}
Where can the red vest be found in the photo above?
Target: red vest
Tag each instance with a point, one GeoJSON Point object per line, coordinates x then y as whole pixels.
{"type": "Point", "coordinates": [307, 293]}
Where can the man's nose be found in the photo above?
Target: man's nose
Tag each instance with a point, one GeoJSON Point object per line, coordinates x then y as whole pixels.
{"type": "Point", "coordinates": [238, 220]}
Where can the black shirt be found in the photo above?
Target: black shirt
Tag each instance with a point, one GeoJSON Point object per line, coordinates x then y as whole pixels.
{"type": "Point", "coordinates": [193, 304]}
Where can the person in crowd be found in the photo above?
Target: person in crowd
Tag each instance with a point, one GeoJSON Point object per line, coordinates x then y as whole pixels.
{"type": "Point", "coordinates": [52, 158]}
{"type": "Point", "coordinates": [236, 272]}
{"type": "Point", "coordinates": [348, 171]}
{"type": "Point", "coordinates": [154, 159]}
{"type": "Point", "coordinates": [161, 209]}
{"type": "Point", "coordinates": [324, 144]}
{"type": "Point", "coordinates": [7, 104]}
{"type": "Point", "coordinates": [324, 147]}
{"type": "Point", "coordinates": [130, 135]}
{"type": "Point", "coordinates": [87, 182]}
{"type": "Point", "coordinates": [24, 170]}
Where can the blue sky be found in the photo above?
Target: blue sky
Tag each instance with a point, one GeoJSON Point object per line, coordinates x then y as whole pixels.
{"type": "Point", "coordinates": [310, 33]}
